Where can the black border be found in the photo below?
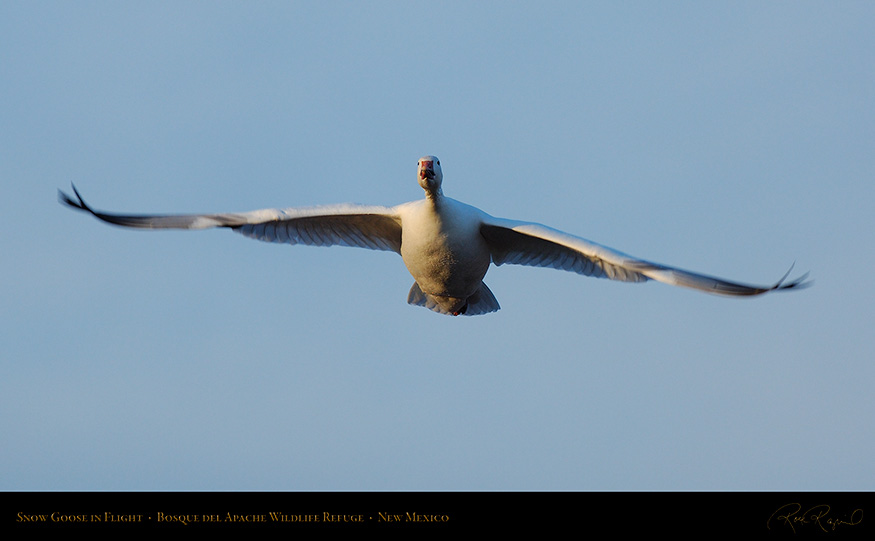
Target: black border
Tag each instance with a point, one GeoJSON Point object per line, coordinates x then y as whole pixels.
{"type": "Point", "coordinates": [770, 514]}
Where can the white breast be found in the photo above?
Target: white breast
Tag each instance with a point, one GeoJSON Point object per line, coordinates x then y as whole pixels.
{"type": "Point", "coordinates": [442, 247]}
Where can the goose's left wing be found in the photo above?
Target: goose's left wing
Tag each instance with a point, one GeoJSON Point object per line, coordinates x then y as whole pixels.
{"type": "Point", "coordinates": [524, 243]}
{"type": "Point", "coordinates": [377, 228]}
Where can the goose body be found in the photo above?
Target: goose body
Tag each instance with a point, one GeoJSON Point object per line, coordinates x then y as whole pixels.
{"type": "Point", "coordinates": [446, 245]}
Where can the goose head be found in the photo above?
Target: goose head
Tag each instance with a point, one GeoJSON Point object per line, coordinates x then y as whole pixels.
{"type": "Point", "coordinates": [429, 174]}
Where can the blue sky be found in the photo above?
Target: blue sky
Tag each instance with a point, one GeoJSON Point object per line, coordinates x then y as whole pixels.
{"type": "Point", "coordinates": [727, 138]}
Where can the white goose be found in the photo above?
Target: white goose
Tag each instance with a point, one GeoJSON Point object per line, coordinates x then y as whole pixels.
{"type": "Point", "coordinates": [446, 245]}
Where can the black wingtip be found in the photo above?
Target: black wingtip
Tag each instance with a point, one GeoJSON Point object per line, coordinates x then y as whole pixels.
{"type": "Point", "coordinates": [65, 199]}
{"type": "Point", "coordinates": [78, 203]}
{"type": "Point", "coordinates": [799, 283]}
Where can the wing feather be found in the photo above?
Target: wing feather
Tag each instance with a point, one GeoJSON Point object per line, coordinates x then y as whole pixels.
{"type": "Point", "coordinates": [377, 228]}
{"type": "Point", "coordinates": [525, 243]}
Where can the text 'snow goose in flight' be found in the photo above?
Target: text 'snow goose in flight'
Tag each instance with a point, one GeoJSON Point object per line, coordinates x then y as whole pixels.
{"type": "Point", "coordinates": [446, 245]}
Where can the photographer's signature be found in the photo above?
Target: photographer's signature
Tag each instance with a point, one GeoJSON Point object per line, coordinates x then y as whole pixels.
{"type": "Point", "coordinates": [816, 516]}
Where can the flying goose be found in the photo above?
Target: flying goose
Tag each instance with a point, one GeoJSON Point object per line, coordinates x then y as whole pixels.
{"type": "Point", "coordinates": [446, 245]}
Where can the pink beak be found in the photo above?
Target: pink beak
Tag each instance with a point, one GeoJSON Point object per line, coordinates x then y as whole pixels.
{"type": "Point", "coordinates": [426, 167]}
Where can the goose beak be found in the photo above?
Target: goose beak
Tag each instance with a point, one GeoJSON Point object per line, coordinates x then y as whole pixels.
{"type": "Point", "coordinates": [426, 169]}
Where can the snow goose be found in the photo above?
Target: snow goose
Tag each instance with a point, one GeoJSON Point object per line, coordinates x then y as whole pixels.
{"type": "Point", "coordinates": [446, 245]}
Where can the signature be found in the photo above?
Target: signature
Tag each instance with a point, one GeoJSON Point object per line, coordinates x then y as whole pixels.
{"type": "Point", "coordinates": [817, 516]}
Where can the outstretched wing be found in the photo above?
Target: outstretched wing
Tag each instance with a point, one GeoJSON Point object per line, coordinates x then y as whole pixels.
{"type": "Point", "coordinates": [524, 243]}
{"type": "Point", "coordinates": [377, 228]}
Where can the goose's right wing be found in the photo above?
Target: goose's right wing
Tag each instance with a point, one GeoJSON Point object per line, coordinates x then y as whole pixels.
{"type": "Point", "coordinates": [525, 243]}
{"type": "Point", "coordinates": [377, 228]}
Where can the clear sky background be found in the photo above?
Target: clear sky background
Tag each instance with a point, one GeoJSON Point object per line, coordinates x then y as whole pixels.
{"type": "Point", "coordinates": [731, 138]}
